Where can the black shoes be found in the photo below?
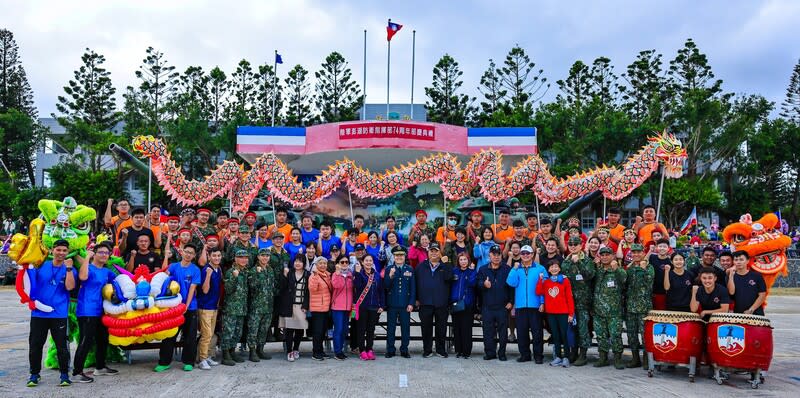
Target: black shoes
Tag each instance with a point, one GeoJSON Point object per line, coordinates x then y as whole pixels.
{"type": "Point", "coordinates": [442, 354]}
{"type": "Point", "coordinates": [388, 355]}
{"type": "Point", "coordinates": [487, 357]}
{"type": "Point", "coordinates": [523, 359]}
{"type": "Point", "coordinates": [405, 355]}
{"type": "Point", "coordinates": [502, 357]}
{"type": "Point", "coordinates": [340, 357]}
{"type": "Point", "coordinates": [427, 354]}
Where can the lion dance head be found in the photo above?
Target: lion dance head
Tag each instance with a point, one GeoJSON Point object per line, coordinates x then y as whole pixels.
{"type": "Point", "coordinates": [764, 243]}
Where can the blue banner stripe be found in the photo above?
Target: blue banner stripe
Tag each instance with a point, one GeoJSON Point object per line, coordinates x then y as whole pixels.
{"type": "Point", "coordinates": [279, 131]}
{"type": "Point", "coordinates": [502, 132]}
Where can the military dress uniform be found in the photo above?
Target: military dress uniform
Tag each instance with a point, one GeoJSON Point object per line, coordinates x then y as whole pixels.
{"type": "Point", "coordinates": [401, 293]}
{"type": "Point", "coordinates": [607, 307]}
{"type": "Point", "coordinates": [261, 282]}
{"type": "Point", "coordinates": [234, 311]}
{"type": "Point", "coordinates": [639, 303]}
{"type": "Point", "coordinates": [580, 274]}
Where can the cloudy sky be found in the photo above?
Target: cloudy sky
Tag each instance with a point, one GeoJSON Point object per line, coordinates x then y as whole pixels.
{"type": "Point", "coordinates": [752, 45]}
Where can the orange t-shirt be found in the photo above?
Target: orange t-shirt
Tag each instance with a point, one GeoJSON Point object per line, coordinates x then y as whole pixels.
{"type": "Point", "coordinates": [617, 232]}
{"type": "Point", "coordinates": [532, 234]}
{"type": "Point", "coordinates": [286, 230]}
{"type": "Point", "coordinates": [646, 233]}
{"type": "Point", "coordinates": [451, 234]}
{"type": "Point", "coordinates": [362, 237]}
{"type": "Point", "coordinates": [500, 235]}
{"type": "Point", "coordinates": [119, 225]}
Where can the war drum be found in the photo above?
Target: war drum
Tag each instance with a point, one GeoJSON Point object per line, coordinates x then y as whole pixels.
{"type": "Point", "coordinates": [674, 338]}
{"type": "Point", "coordinates": [740, 342]}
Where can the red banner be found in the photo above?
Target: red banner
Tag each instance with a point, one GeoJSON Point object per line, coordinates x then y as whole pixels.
{"type": "Point", "coordinates": [387, 130]}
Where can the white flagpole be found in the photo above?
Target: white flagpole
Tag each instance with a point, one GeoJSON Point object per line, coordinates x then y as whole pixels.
{"type": "Point", "coordinates": [388, 71]}
{"type": "Point", "coordinates": [660, 191]}
{"type": "Point", "coordinates": [413, 52]}
{"type": "Point", "coordinates": [149, 181]}
{"type": "Point", "coordinates": [364, 86]}
{"type": "Point", "coordinates": [274, 89]}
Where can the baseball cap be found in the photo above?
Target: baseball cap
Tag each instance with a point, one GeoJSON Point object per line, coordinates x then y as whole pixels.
{"type": "Point", "coordinates": [434, 246]}
{"type": "Point", "coordinates": [359, 246]}
{"type": "Point", "coordinates": [277, 234]}
{"type": "Point", "coordinates": [263, 251]}
{"type": "Point", "coordinates": [495, 249]}
{"type": "Point", "coordinates": [334, 247]}
{"type": "Point", "coordinates": [575, 240]}
{"type": "Point", "coordinates": [244, 228]}
{"type": "Point", "coordinates": [637, 247]}
{"type": "Point", "coordinates": [526, 249]}
{"type": "Point", "coordinates": [605, 249]}
{"type": "Point", "coordinates": [242, 253]}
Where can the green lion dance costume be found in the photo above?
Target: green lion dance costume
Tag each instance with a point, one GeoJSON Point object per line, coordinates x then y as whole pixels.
{"type": "Point", "coordinates": [58, 220]}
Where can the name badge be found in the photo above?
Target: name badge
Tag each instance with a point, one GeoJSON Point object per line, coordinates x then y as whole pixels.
{"type": "Point", "coordinates": [579, 277]}
{"type": "Point", "coordinates": [611, 284]}
{"type": "Point", "coordinates": [407, 273]}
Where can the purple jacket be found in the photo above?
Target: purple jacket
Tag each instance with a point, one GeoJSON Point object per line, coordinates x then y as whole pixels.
{"type": "Point", "coordinates": [375, 297]}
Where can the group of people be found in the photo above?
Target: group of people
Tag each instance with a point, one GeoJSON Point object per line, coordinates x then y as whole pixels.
{"type": "Point", "coordinates": [251, 282]}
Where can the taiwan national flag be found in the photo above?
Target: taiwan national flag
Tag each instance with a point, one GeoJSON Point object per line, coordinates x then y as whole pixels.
{"type": "Point", "coordinates": [690, 222]}
{"type": "Point", "coordinates": [391, 29]}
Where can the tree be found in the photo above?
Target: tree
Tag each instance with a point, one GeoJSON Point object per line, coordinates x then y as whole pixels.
{"type": "Point", "coordinates": [644, 98]}
{"type": "Point", "coordinates": [88, 110]}
{"type": "Point", "coordinates": [298, 113]}
{"type": "Point", "coordinates": [268, 96]}
{"type": "Point", "coordinates": [682, 194]}
{"type": "Point", "coordinates": [525, 87]}
{"type": "Point", "coordinates": [192, 90]}
{"type": "Point", "coordinates": [158, 86]}
{"type": "Point", "coordinates": [338, 97]}
{"type": "Point", "coordinates": [790, 108]}
{"type": "Point", "coordinates": [493, 94]}
{"type": "Point", "coordinates": [698, 105]}
{"type": "Point", "coordinates": [15, 92]}
{"type": "Point", "coordinates": [90, 96]}
{"type": "Point", "coordinates": [446, 105]}
{"type": "Point", "coordinates": [575, 90]}
{"type": "Point", "coordinates": [242, 87]}
{"type": "Point", "coordinates": [218, 92]}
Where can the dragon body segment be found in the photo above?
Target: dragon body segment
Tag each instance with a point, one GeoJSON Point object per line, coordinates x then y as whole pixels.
{"type": "Point", "coordinates": [484, 170]}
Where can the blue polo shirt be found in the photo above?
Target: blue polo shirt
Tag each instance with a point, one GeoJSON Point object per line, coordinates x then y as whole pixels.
{"type": "Point", "coordinates": [186, 277]}
{"type": "Point", "coordinates": [49, 287]}
{"type": "Point", "coordinates": [327, 243]}
{"type": "Point", "coordinates": [210, 300]}
{"type": "Point", "coordinates": [90, 295]}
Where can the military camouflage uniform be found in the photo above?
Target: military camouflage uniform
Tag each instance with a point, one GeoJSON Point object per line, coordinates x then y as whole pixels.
{"type": "Point", "coordinates": [608, 289]}
{"type": "Point", "coordinates": [235, 308]}
{"type": "Point", "coordinates": [639, 301]}
{"type": "Point", "coordinates": [262, 289]}
{"type": "Point", "coordinates": [580, 276]}
{"type": "Point", "coordinates": [279, 261]}
{"type": "Point", "coordinates": [230, 252]}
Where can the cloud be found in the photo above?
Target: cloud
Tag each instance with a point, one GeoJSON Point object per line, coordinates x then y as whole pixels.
{"type": "Point", "coordinates": [752, 46]}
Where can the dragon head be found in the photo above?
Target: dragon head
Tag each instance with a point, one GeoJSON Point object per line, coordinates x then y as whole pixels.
{"type": "Point", "coordinates": [762, 240]}
{"type": "Point", "coordinates": [145, 145]}
{"type": "Point", "coordinates": [670, 152]}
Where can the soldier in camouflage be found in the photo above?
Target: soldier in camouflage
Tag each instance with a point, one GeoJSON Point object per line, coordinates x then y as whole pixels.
{"type": "Point", "coordinates": [609, 285]}
{"type": "Point", "coordinates": [235, 307]}
{"type": "Point", "coordinates": [278, 261]}
{"type": "Point", "coordinates": [243, 242]}
{"type": "Point", "coordinates": [639, 301]}
{"type": "Point", "coordinates": [580, 270]}
{"type": "Point", "coordinates": [261, 281]}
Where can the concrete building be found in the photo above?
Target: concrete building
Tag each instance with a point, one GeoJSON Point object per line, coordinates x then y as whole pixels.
{"type": "Point", "coordinates": [53, 154]}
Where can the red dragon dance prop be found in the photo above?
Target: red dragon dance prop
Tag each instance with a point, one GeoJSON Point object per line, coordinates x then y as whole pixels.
{"type": "Point", "coordinates": [484, 170]}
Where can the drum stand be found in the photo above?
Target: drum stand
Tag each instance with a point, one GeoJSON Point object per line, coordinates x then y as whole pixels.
{"type": "Point", "coordinates": [756, 376]}
{"type": "Point", "coordinates": [652, 365]}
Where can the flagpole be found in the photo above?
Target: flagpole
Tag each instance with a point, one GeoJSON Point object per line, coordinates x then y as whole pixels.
{"type": "Point", "coordinates": [274, 87]}
{"type": "Point", "coordinates": [660, 194]}
{"type": "Point", "coordinates": [364, 86]}
{"type": "Point", "coordinates": [413, 52]}
{"type": "Point", "coordinates": [388, 71]}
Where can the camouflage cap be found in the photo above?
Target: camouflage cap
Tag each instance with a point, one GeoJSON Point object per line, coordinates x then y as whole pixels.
{"type": "Point", "coordinates": [242, 253]}
{"type": "Point", "coordinates": [637, 247]}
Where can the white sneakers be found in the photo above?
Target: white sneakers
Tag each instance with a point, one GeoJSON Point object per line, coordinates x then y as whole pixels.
{"type": "Point", "coordinates": [556, 362]}
{"type": "Point", "coordinates": [204, 365]}
{"type": "Point", "coordinates": [565, 362]}
{"type": "Point", "coordinates": [212, 362]}
{"type": "Point", "coordinates": [290, 356]}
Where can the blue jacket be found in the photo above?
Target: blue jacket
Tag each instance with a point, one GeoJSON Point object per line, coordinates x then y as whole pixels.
{"type": "Point", "coordinates": [463, 286]}
{"type": "Point", "coordinates": [481, 253]}
{"type": "Point", "coordinates": [375, 296]}
{"type": "Point", "coordinates": [401, 288]}
{"type": "Point", "coordinates": [433, 288]}
{"type": "Point", "coordinates": [496, 297]}
{"type": "Point", "coordinates": [524, 284]}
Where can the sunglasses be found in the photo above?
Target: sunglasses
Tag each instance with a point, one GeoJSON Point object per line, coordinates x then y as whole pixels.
{"type": "Point", "coordinates": [526, 253]}
{"type": "Point", "coordinates": [344, 262]}
{"type": "Point", "coordinates": [102, 253]}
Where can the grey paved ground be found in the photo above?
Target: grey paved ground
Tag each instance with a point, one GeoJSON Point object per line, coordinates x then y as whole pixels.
{"type": "Point", "coordinates": [431, 377]}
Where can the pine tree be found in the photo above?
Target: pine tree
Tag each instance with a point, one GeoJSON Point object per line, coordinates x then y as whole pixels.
{"type": "Point", "coordinates": [218, 92]}
{"type": "Point", "coordinates": [604, 85]}
{"type": "Point", "coordinates": [192, 90]}
{"type": "Point", "coordinates": [90, 96]}
{"type": "Point", "coordinates": [790, 108]}
{"type": "Point", "coordinates": [576, 89]}
{"type": "Point", "coordinates": [242, 85]}
{"type": "Point", "coordinates": [446, 105]}
{"type": "Point", "coordinates": [338, 97]}
{"type": "Point", "coordinates": [523, 82]}
{"type": "Point", "coordinates": [645, 97]}
{"type": "Point", "coordinates": [20, 132]}
{"type": "Point", "coordinates": [298, 112]}
{"type": "Point", "coordinates": [493, 93]}
{"type": "Point", "coordinates": [158, 86]}
{"type": "Point", "coordinates": [268, 96]}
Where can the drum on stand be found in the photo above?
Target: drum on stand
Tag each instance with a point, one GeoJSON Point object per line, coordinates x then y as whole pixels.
{"type": "Point", "coordinates": [673, 338]}
{"type": "Point", "coordinates": [739, 342]}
